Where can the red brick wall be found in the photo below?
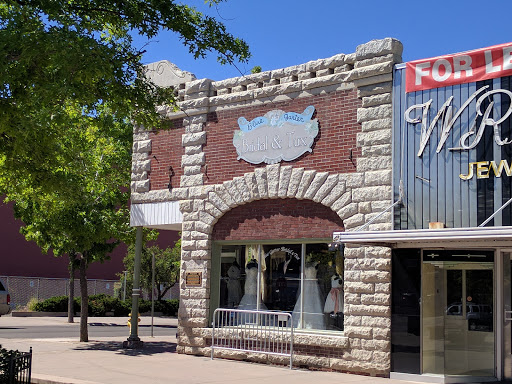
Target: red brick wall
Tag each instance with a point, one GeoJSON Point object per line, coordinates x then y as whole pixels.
{"type": "Point", "coordinates": [166, 151]}
{"type": "Point", "coordinates": [277, 219]}
{"type": "Point", "coordinates": [24, 258]}
{"type": "Point", "coordinates": [337, 117]}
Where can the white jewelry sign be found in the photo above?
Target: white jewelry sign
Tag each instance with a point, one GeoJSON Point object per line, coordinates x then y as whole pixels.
{"type": "Point", "coordinates": [276, 136]}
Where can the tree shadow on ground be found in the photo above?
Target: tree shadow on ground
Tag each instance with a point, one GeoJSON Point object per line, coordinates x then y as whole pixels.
{"type": "Point", "coordinates": [150, 348]}
{"type": "Point", "coordinates": [124, 325]}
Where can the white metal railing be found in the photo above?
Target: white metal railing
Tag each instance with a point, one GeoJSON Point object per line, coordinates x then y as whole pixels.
{"type": "Point", "coordinates": [265, 332]}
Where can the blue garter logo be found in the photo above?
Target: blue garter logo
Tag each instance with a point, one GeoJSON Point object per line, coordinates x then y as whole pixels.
{"type": "Point", "coordinates": [275, 137]}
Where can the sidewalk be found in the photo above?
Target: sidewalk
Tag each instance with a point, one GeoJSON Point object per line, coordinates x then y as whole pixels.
{"type": "Point", "coordinates": [103, 360]}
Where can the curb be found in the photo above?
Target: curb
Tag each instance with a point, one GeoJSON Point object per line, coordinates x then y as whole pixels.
{"type": "Point", "coordinates": [47, 379]}
{"type": "Point", "coordinates": [38, 314]}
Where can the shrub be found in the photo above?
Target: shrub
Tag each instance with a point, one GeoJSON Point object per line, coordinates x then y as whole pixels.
{"type": "Point", "coordinates": [144, 305]}
{"type": "Point", "coordinates": [167, 307]}
{"type": "Point", "coordinates": [53, 304]}
{"type": "Point", "coordinates": [31, 305]}
{"type": "Point", "coordinates": [122, 308]}
{"type": "Point", "coordinates": [100, 304]}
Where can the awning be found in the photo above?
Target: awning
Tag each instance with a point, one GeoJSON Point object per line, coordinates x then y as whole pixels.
{"type": "Point", "coordinates": [164, 215]}
{"type": "Point", "coordinates": [476, 237]}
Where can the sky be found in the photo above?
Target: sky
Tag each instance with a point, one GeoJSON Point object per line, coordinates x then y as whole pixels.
{"type": "Point", "coordinates": [283, 33]}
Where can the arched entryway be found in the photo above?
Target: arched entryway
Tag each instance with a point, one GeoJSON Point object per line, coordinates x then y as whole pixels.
{"type": "Point", "coordinates": [275, 254]}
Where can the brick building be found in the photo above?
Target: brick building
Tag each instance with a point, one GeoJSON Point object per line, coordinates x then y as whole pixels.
{"type": "Point", "coordinates": [324, 165]}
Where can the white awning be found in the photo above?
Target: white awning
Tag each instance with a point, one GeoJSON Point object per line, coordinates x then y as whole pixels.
{"type": "Point", "coordinates": [481, 237]}
{"type": "Point", "coordinates": [164, 215]}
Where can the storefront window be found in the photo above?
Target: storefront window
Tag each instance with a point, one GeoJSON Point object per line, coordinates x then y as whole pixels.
{"type": "Point", "coordinates": [304, 280]}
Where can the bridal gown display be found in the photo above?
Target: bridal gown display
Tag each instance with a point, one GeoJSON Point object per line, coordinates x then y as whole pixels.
{"type": "Point", "coordinates": [234, 288]}
{"type": "Point", "coordinates": [313, 317]}
{"type": "Point", "coordinates": [334, 300]}
{"type": "Point", "coordinates": [249, 300]}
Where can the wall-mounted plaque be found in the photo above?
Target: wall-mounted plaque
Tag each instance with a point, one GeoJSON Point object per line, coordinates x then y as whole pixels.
{"type": "Point", "coordinates": [276, 136]}
{"type": "Point", "coordinates": [193, 279]}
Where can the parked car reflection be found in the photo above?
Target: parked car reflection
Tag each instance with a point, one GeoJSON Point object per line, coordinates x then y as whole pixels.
{"type": "Point", "coordinates": [479, 316]}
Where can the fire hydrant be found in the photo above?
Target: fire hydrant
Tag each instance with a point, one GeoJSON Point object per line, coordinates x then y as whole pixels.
{"type": "Point", "coordinates": [130, 319]}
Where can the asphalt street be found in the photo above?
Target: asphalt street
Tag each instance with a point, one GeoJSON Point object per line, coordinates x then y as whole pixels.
{"type": "Point", "coordinates": [19, 328]}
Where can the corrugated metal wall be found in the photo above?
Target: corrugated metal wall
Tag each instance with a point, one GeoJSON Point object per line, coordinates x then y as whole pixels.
{"type": "Point", "coordinates": [433, 190]}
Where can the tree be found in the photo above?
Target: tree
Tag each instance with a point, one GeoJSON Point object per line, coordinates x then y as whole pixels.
{"type": "Point", "coordinates": [167, 268]}
{"type": "Point", "coordinates": [61, 52]}
{"type": "Point", "coordinates": [89, 226]}
{"type": "Point", "coordinates": [72, 85]}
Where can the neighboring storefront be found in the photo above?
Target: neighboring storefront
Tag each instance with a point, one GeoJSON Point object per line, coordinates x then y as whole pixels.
{"type": "Point", "coordinates": [452, 237]}
{"type": "Point", "coordinates": [258, 172]}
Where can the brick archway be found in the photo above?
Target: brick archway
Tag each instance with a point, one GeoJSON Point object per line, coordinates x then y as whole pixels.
{"type": "Point", "coordinates": [277, 219]}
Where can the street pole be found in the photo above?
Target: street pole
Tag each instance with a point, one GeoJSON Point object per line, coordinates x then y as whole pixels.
{"type": "Point", "coordinates": [133, 341]}
{"type": "Point", "coordinates": [124, 288]}
{"type": "Point", "coordinates": [152, 291]}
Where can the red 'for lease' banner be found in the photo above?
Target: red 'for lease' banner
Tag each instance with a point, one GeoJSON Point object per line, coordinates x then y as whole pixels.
{"type": "Point", "coordinates": [464, 67]}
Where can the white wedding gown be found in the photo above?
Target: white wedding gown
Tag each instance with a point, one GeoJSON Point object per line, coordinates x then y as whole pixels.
{"type": "Point", "coordinates": [249, 300]}
{"type": "Point", "coordinates": [313, 317]}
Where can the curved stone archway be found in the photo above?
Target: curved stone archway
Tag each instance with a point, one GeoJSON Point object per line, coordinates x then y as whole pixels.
{"type": "Point", "coordinates": [280, 219]}
{"type": "Point", "coordinates": [274, 182]}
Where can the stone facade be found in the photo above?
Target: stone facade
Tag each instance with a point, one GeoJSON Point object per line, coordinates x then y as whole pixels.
{"type": "Point", "coordinates": [356, 196]}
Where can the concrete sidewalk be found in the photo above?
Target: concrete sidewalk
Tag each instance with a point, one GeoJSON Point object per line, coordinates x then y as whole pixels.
{"type": "Point", "coordinates": [103, 360]}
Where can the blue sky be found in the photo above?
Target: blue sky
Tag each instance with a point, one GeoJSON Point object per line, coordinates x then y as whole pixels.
{"type": "Point", "coordinates": [283, 33]}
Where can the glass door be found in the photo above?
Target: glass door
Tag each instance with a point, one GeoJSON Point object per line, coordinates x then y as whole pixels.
{"type": "Point", "coordinates": [507, 319]}
{"type": "Point", "coordinates": [457, 314]}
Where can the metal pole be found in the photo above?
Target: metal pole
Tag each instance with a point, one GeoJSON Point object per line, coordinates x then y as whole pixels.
{"type": "Point", "coordinates": [134, 340]}
{"type": "Point", "coordinates": [258, 288]}
{"type": "Point", "coordinates": [124, 288]}
{"type": "Point", "coordinates": [302, 282]}
{"type": "Point", "coordinates": [152, 291]}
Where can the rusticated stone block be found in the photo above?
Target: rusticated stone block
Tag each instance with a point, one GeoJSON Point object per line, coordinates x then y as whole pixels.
{"type": "Point", "coordinates": [284, 180]}
{"type": "Point", "coordinates": [261, 180]}
{"type": "Point", "coordinates": [295, 180]}
{"type": "Point", "coordinates": [315, 185]}
{"type": "Point", "coordinates": [325, 188]}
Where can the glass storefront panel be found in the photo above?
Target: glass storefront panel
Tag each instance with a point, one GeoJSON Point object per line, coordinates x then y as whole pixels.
{"type": "Point", "coordinates": [405, 311]}
{"type": "Point", "coordinates": [457, 313]}
{"type": "Point", "coordinates": [302, 279]}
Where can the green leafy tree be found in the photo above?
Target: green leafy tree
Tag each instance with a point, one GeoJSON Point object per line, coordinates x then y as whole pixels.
{"type": "Point", "coordinates": [167, 268]}
{"type": "Point", "coordinates": [57, 53]}
{"type": "Point", "coordinates": [72, 84]}
{"type": "Point", "coordinates": [85, 223]}
{"type": "Point", "coordinates": [256, 69]}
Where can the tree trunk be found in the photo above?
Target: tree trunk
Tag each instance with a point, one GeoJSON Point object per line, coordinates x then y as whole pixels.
{"type": "Point", "coordinates": [84, 297]}
{"type": "Point", "coordinates": [161, 293]}
{"type": "Point", "coordinates": [71, 297]}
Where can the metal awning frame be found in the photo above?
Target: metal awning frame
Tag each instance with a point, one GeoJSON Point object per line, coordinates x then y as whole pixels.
{"type": "Point", "coordinates": [480, 237]}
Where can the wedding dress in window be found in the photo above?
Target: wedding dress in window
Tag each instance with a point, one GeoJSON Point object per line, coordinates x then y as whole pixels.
{"type": "Point", "coordinates": [334, 300]}
{"type": "Point", "coordinates": [313, 317]}
{"type": "Point", "coordinates": [234, 288]}
{"type": "Point", "coordinates": [249, 300]}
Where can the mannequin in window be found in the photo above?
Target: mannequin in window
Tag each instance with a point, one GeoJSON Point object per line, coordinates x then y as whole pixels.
{"type": "Point", "coordinates": [313, 316]}
{"type": "Point", "coordinates": [249, 300]}
{"type": "Point", "coordinates": [289, 274]}
{"type": "Point", "coordinates": [334, 300]}
{"type": "Point", "coordinates": [233, 285]}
